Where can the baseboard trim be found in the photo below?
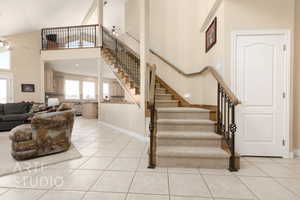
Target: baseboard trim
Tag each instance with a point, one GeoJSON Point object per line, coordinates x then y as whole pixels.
{"type": "Point", "coordinates": [126, 131]}
{"type": "Point", "coordinates": [297, 153]}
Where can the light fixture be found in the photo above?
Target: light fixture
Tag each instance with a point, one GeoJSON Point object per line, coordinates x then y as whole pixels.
{"type": "Point", "coordinates": [4, 45]}
{"type": "Point", "coordinates": [114, 31]}
{"type": "Point", "coordinates": [105, 3]}
{"type": "Point", "coordinates": [77, 65]}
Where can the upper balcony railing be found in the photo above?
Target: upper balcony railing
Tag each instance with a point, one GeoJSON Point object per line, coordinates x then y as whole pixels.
{"type": "Point", "coordinates": [85, 36]}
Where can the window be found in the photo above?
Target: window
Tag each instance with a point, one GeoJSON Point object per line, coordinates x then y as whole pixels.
{"type": "Point", "coordinates": [72, 89]}
{"type": "Point", "coordinates": [88, 90]}
{"type": "Point", "coordinates": [3, 90]}
{"type": "Point", "coordinates": [5, 60]}
{"type": "Point", "coordinates": [105, 90]}
{"type": "Point", "coordinates": [78, 44]}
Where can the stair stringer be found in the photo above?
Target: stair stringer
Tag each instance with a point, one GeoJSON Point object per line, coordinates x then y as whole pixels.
{"type": "Point", "coordinates": [111, 64]}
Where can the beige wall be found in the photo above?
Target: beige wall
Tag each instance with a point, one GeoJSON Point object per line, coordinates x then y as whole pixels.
{"type": "Point", "coordinates": [69, 54]}
{"type": "Point", "coordinates": [175, 35]}
{"type": "Point", "coordinates": [132, 14]}
{"type": "Point", "coordinates": [255, 15]}
{"type": "Point", "coordinates": [125, 116]}
{"type": "Point", "coordinates": [25, 65]}
{"type": "Point", "coordinates": [174, 31]}
{"type": "Point", "coordinates": [297, 80]}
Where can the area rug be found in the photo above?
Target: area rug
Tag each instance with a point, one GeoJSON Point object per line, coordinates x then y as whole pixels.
{"type": "Point", "coordinates": [10, 166]}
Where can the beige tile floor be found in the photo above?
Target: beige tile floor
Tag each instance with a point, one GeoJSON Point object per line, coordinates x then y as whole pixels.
{"type": "Point", "coordinates": [114, 167]}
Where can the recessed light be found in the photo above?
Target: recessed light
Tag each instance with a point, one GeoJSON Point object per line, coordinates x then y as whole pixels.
{"type": "Point", "coordinates": [77, 65]}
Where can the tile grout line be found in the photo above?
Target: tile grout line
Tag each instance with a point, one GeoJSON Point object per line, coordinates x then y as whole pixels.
{"type": "Point", "coordinates": [249, 189]}
{"type": "Point", "coordinates": [287, 188]}
{"type": "Point", "coordinates": [140, 159]}
{"type": "Point", "coordinates": [47, 190]}
{"type": "Point", "coordinates": [5, 192]}
{"type": "Point", "coordinates": [169, 188]}
{"type": "Point", "coordinates": [274, 178]}
{"type": "Point", "coordinates": [103, 172]}
{"type": "Point", "coordinates": [206, 184]}
{"type": "Point", "coordinates": [135, 172]}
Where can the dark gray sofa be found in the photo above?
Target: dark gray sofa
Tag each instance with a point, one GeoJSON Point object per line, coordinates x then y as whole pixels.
{"type": "Point", "coordinates": [13, 114]}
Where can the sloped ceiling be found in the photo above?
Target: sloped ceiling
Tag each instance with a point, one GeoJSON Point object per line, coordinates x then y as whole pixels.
{"type": "Point", "coordinates": [18, 16]}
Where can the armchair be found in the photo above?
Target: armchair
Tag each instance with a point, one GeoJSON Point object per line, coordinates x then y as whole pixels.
{"type": "Point", "coordinates": [48, 133]}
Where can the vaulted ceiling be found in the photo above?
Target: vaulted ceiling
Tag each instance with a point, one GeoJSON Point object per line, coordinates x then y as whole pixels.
{"type": "Point", "coordinates": [18, 16]}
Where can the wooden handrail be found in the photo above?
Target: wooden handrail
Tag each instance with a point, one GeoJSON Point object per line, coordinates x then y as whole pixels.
{"type": "Point", "coordinates": [121, 42]}
{"type": "Point", "coordinates": [78, 26]}
{"type": "Point", "coordinates": [226, 102]}
{"type": "Point", "coordinates": [209, 69]}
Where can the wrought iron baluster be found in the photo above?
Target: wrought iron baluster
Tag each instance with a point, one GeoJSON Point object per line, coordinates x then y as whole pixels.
{"type": "Point", "coordinates": [225, 117]}
{"type": "Point", "coordinates": [233, 128]}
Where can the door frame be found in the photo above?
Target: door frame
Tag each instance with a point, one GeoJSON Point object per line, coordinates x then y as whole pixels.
{"type": "Point", "coordinates": [288, 69]}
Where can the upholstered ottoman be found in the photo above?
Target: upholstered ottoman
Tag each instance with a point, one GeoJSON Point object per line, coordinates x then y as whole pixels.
{"type": "Point", "coordinates": [23, 146]}
{"type": "Point", "coordinates": [48, 133]}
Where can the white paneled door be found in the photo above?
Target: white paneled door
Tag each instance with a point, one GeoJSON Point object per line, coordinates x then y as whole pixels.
{"type": "Point", "coordinates": [259, 83]}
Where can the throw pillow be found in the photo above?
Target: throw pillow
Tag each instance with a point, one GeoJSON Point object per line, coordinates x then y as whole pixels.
{"type": "Point", "coordinates": [64, 107]}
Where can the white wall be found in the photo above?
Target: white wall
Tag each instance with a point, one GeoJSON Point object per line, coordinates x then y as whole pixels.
{"type": "Point", "coordinates": [125, 116]}
{"type": "Point", "coordinates": [114, 15]}
{"type": "Point", "coordinates": [93, 18]}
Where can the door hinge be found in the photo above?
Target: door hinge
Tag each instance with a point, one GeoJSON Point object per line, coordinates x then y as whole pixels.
{"type": "Point", "coordinates": [284, 47]}
{"type": "Point", "coordinates": [283, 95]}
{"type": "Point", "coordinates": [283, 142]}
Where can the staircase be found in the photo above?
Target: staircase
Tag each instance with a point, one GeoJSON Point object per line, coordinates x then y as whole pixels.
{"type": "Point", "coordinates": [180, 136]}
{"type": "Point", "coordinates": [186, 136]}
{"type": "Point", "coordinates": [123, 62]}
